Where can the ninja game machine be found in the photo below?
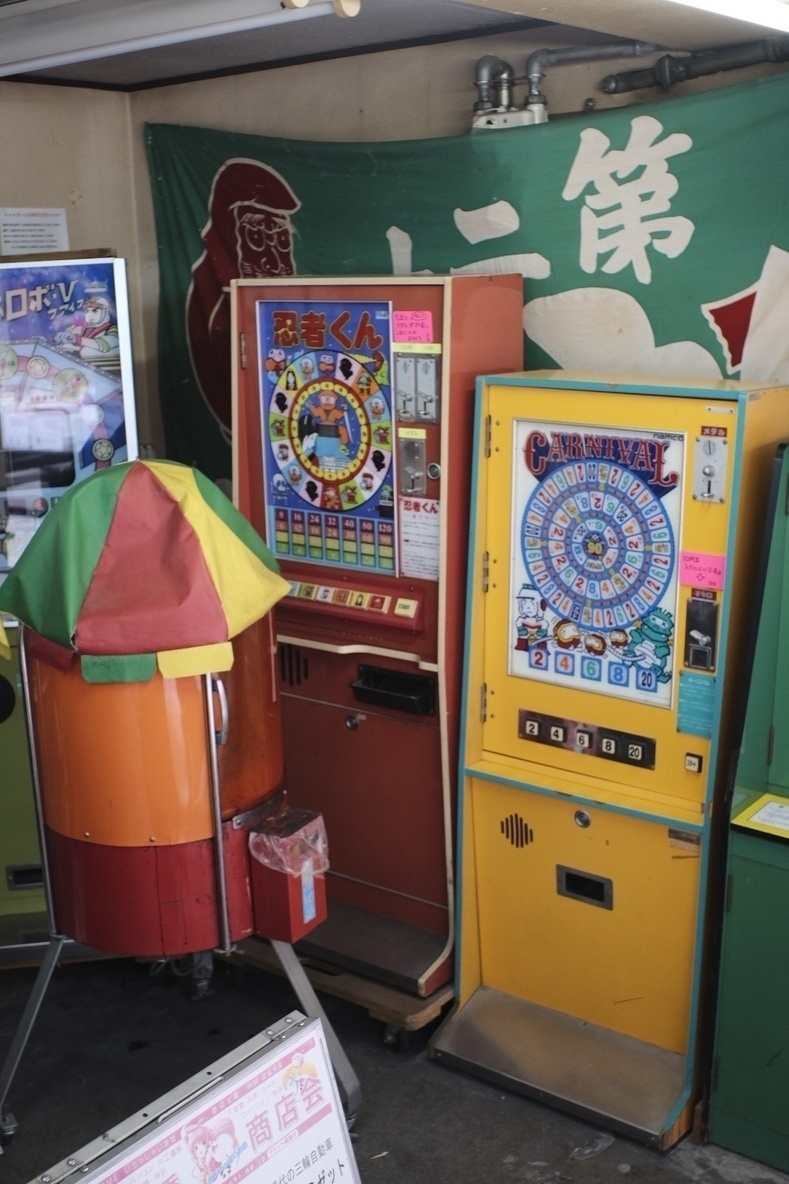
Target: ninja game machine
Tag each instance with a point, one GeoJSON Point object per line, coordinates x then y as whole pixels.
{"type": "Point", "coordinates": [66, 410]}
{"type": "Point", "coordinates": [614, 544]}
{"type": "Point", "coordinates": [353, 406]}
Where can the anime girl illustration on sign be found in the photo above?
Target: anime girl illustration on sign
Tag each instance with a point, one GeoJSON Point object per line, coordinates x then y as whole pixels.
{"type": "Point", "coordinates": [594, 571]}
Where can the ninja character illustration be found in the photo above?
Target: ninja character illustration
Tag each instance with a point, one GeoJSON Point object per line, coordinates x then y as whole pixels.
{"type": "Point", "coordinates": [649, 644]}
{"type": "Point", "coordinates": [325, 429]}
{"type": "Point", "coordinates": [275, 364]}
{"type": "Point", "coordinates": [530, 621]}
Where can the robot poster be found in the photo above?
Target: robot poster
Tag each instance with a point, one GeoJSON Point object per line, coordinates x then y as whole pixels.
{"type": "Point", "coordinates": [595, 531]}
{"type": "Point", "coordinates": [326, 411]}
{"type": "Point", "coordinates": [66, 398]}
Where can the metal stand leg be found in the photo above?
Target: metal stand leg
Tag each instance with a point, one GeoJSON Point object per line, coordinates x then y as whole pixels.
{"type": "Point", "coordinates": [349, 1084]}
{"type": "Point", "coordinates": [7, 1121]}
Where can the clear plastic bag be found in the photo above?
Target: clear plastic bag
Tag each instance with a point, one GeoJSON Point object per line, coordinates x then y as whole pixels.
{"type": "Point", "coordinates": [291, 841]}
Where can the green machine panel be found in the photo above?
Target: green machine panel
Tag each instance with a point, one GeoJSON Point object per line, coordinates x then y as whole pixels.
{"type": "Point", "coordinates": [21, 890]}
{"type": "Point", "coordinates": [748, 1110]}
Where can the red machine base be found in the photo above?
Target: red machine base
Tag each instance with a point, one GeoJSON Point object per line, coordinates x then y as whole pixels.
{"type": "Point", "coordinates": [149, 901]}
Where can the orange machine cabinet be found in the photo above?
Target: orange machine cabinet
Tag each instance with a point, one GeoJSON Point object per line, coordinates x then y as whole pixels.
{"type": "Point", "coordinates": [131, 832]}
{"type": "Point", "coordinates": [353, 406]}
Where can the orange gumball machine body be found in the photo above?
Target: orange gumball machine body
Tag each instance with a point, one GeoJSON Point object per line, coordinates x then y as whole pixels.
{"type": "Point", "coordinates": [138, 781]}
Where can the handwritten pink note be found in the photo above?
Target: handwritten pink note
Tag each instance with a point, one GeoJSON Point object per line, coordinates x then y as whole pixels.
{"type": "Point", "coordinates": [701, 570]}
{"type": "Point", "coordinates": [412, 325]}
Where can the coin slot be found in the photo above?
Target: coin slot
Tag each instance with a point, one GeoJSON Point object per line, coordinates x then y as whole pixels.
{"type": "Point", "coordinates": [585, 886]}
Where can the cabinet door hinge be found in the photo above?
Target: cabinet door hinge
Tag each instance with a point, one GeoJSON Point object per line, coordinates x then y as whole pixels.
{"type": "Point", "coordinates": [242, 350]}
{"type": "Point", "coordinates": [483, 702]}
{"type": "Point", "coordinates": [488, 429]}
{"type": "Point", "coordinates": [485, 571]}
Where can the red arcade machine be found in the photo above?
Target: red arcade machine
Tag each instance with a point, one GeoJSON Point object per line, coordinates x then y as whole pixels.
{"type": "Point", "coordinates": [353, 405]}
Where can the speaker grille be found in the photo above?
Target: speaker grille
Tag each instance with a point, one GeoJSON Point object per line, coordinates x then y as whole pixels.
{"type": "Point", "coordinates": [293, 665]}
{"type": "Point", "coordinates": [516, 830]}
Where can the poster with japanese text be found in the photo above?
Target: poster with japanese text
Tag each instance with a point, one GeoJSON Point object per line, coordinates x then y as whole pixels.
{"type": "Point", "coordinates": [326, 411]}
{"type": "Point", "coordinates": [66, 395]}
{"type": "Point", "coordinates": [277, 1120]}
{"type": "Point", "coordinates": [593, 577]}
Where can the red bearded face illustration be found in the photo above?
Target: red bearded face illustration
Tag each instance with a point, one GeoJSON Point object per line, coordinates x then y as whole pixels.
{"type": "Point", "coordinates": [248, 234]}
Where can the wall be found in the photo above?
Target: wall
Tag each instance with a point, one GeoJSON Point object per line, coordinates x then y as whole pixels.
{"type": "Point", "coordinates": [84, 149]}
{"type": "Point", "coordinates": [71, 148]}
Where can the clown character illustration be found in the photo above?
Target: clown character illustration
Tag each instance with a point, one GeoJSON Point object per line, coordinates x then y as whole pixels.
{"type": "Point", "coordinates": [326, 422]}
{"type": "Point", "coordinates": [248, 234]}
{"type": "Point", "coordinates": [213, 1149]}
{"type": "Point", "coordinates": [530, 622]}
{"type": "Point", "coordinates": [96, 339]}
{"type": "Point", "coordinates": [649, 645]}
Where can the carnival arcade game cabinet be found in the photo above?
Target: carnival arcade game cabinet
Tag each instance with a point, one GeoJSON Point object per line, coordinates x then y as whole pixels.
{"type": "Point", "coordinates": [615, 532]}
{"type": "Point", "coordinates": [353, 405]}
{"type": "Point", "coordinates": [749, 1074]}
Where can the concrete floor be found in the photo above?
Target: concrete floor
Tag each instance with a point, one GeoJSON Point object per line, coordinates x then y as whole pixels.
{"type": "Point", "coordinates": [111, 1037]}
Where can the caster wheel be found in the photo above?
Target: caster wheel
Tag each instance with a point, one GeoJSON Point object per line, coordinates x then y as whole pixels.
{"type": "Point", "coordinates": [396, 1039]}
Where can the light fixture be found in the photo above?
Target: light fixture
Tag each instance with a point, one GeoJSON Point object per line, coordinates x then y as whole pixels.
{"type": "Point", "coordinates": [770, 14]}
{"type": "Point", "coordinates": [28, 35]}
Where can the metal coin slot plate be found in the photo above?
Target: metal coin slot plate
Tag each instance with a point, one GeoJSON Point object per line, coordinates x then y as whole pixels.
{"type": "Point", "coordinates": [626, 748]}
{"type": "Point", "coordinates": [585, 886]}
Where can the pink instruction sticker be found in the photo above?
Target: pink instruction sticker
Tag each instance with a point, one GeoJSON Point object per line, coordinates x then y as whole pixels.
{"type": "Point", "coordinates": [412, 325]}
{"type": "Point", "coordinates": [701, 570]}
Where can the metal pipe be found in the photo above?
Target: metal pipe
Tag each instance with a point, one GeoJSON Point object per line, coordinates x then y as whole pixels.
{"type": "Point", "coordinates": [669, 69]}
{"type": "Point", "coordinates": [493, 79]}
{"type": "Point", "coordinates": [541, 59]}
{"type": "Point", "coordinates": [216, 811]}
{"type": "Point", "coordinates": [38, 797]}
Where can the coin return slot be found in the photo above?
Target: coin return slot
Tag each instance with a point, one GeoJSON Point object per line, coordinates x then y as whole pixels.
{"type": "Point", "coordinates": [584, 886]}
{"type": "Point", "coordinates": [392, 688]}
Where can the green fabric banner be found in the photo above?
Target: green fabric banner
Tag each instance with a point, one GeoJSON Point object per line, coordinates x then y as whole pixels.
{"type": "Point", "coordinates": [653, 239]}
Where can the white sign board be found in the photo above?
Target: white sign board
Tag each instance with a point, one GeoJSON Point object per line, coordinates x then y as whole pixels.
{"type": "Point", "coordinates": [273, 1118]}
{"type": "Point", "coordinates": [28, 230]}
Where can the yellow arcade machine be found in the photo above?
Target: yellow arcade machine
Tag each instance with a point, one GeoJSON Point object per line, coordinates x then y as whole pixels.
{"type": "Point", "coordinates": [613, 547]}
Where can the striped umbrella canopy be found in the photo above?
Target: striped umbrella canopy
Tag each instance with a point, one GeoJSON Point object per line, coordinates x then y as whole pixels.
{"type": "Point", "coordinates": [144, 565]}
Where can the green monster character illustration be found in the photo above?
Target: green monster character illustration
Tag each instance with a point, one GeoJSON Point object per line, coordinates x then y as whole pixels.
{"type": "Point", "coordinates": [649, 644]}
